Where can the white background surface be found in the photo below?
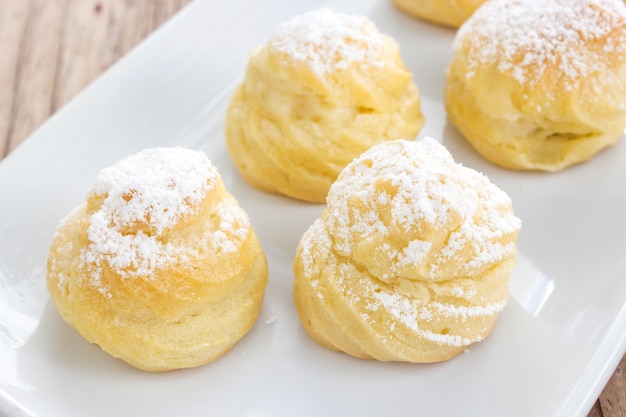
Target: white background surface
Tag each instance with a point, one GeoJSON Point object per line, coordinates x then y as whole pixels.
{"type": "Point", "coordinates": [551, 352]}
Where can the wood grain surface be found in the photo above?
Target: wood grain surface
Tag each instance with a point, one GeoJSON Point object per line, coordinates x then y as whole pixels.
{"type": "Point", "coordinates": [51, 49]}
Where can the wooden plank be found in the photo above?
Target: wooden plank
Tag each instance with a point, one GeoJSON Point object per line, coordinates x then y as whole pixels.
{"type": "Point", "coordinates": [33, 45]}
{"type": "Point", "coordinates": [51, 50]}
{"type": "Point", "coordinates": [12, 27]}
{"type": "Point", "coordinates": [613, 399]}
{"type": "Point", "coordinates": [596, 411]}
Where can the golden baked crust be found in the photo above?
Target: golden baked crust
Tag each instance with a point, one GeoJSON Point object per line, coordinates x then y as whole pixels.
{"type": "Point", "coordinates": [160, 266]}
{"type": "Point", "coordinates": [540, 84]}
{"type": "Point", "coordinates": [444, 12]}
{"type": "Point", "coordinates": [325, 88]}
{"type": "Point", "coordinates": [411, 259]}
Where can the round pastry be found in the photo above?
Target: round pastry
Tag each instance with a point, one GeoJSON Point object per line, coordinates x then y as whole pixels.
{"type": "Point", "coordinates": [444, 12]}
{"type": "Point", "coordinates": [160, 266]}
{"type": "Point", "coordinates": [540, 84]}
{"type": "Point", "coordinates": [325, 87]}
{"type": "Point", "coordinates": [411, 259]}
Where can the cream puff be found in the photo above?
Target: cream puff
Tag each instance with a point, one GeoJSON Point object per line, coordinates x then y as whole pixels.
{"type": "Point", "coordinates": [411, 259]}
{"type": "Point", "coordinates": [160, 266]}
{"type": "Point", "coordinates": [324, 88]}
{"type": "Point", "coordinates": [540, 84]}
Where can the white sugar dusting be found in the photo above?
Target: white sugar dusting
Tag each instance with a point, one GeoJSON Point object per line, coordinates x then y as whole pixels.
{"type": "Point", "coordinates": [529, 37]}
{"type": "Point", "coordinates": [409, 314]}
{"type": "Point", "coordinates": [464, 312]}
{"type": "Point", "coordinates": [414, 252]}
{"type": "Point", "coordinates": [144, 195]}
{"type": "Point", "coordinates": [429, 187]}
{"type": "Point", "coordinates": [233, 228]}
{"type": "Point", "coordinates": [155, 187]}
{"type": "Point", "coordinates": [329, 41]}
{"type": "Point", "coordinates": [315, 237]}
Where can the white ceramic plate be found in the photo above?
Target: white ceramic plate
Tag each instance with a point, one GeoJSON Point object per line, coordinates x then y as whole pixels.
{"type": "Point", "coordinates": [551, 352]}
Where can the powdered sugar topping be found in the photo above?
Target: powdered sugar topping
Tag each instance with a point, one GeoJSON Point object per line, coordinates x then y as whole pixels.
{"type": "Point", "coordinates": [144, 195]}
{"type": "Point", "coordinates": [418, 211]}
{"type": "Point", "coordinates": [154, 187]}
{"type": "Point", "coordinates": [529, 38]}
{"type": "Point", "coordinates": [328, 41]}
{"type": "Point", "coordinates": [411, 314]}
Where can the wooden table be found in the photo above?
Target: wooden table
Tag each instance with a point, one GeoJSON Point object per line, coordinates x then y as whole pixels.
{"type": "Point", "coordinates": [51, 49]}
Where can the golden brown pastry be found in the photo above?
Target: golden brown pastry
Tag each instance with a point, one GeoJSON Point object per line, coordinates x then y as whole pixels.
{"type": "Point", "coordinates": [444, 12]}
{"type": "Point", "coordinates": [160, 266]}
{"type": "Point", "coordinates": [411, 259]}
{"type": "Point", "coordinates": [540, 84]}
{"type": "Point", "coordinates": [326, 87]}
